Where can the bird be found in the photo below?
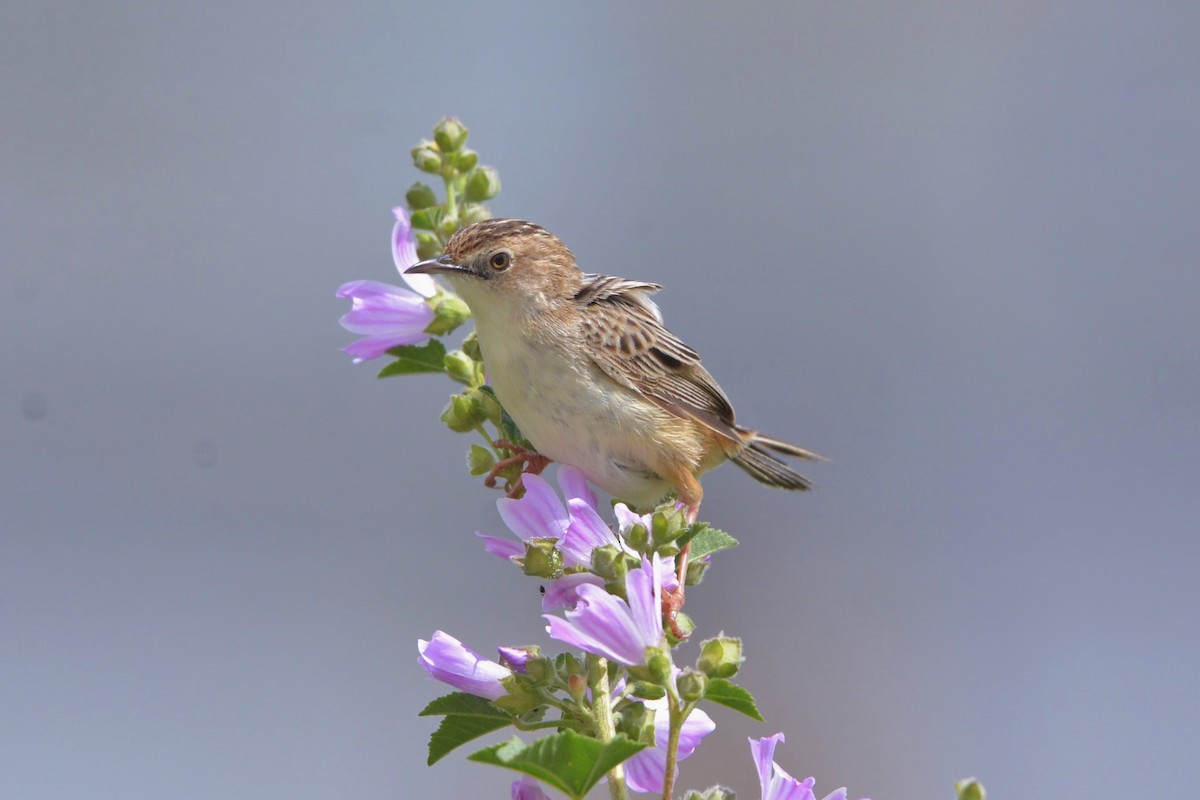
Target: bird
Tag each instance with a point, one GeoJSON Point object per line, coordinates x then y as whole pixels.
{"type": "Point", "coordinates": [584, 365]}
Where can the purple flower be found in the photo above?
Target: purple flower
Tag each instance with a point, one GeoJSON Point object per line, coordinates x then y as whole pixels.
{"type": "Point", "coordinates": [452, 662]}
{"type": "Point", "coordinates": [389, 315]}
{"type": "Point", "coordinates": [404, 253]}
{"type": "Point", "coordinates": [605, 625]}
{"type": "Point", "coordinates": [645, 771]}
{"type": "Point", "coordinates": [541, 515]}
{"type": "Point", "coordinates": [515, 658]}
{"type": "Point", "coordinates": [777, 784]}
{"type": "Point", "coordinates": [528, 789]}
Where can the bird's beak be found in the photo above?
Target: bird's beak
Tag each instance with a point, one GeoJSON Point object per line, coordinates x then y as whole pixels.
{"type": "Point", "coordinates": [442, 265]}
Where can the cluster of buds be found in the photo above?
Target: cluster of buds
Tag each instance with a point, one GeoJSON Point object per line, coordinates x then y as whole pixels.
{"type": "Point", "coordinates": [468, 185]}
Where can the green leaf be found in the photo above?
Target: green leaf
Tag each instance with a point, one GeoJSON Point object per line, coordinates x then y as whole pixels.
{"type": "Point", "coordinates": [567, 761]}
{"type": "Point", "coordinates": [410, 359]}
{"type": "Point", "coordinates": [706, 540]}
{"type": "Point", "coordinates": [510, 431]}
{"type": "Point", "coordinates": [467, 717]}
{"type": "Point", "coordinates": [461, 703]}
{"type": "Point", "coordinates": [733, 696]}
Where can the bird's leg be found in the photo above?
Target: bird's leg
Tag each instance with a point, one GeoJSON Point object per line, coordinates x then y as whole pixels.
{"type": "Point", "coordinates": [690, 494]}
{"type": "Point", "coordinates": [531, 463]}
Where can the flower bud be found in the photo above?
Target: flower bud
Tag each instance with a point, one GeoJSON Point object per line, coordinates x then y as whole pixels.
{"type": "Point", "coordinates": [685, 625]}
{"type": "Point", "coordinates": [648, 691]}
{"type": "Point", "coordinates": [465, 160]}
{"type": "Point", "coordinates": [638, 537]}
{"type": "Point", "coordinates": [428, 246]}
{"type": "Point", "coordinates": [539, 669]}
{"type": "Point", "coordinates": [426, 158]}
{"type": "Point", "coordinates": [480, 460]}
{"type": "Point", "coordinates": [461, 415]}
{"type": "Point", "coordinates": [608, 563]}
{"type": "Point", "coordinates": [720, 657]}
{"type": "Point", "coordinates": [474, 212]}
{"type": "Point", "coordinates": [450, 134]}
{"type": "Point", "coordinates": [636, 721]}
{"type": "Point", "coordinates": [691, 685]}
{"type": "Point", "coordinates": [470, 346]}
{"type": "Point", "coordinates": [577, 686]}
{"type": "Point", "coordinates": [426, 219]}
{"type": "Point", "coordinates": [420, 196]}
{"type": "Point", "coordinates": [659, 665]}
{"type": "Point", "coordinates": [459, 366]}
{"type": "Point", "coordinates": [449, 311]}
{"type": "Point", "coordinates": [667, 525]}
{"type": "Point", "coordinates": [970, 789]}
{"type": "Point", "coordinates": [711, 793]}
{"type": "Point", "coordinates": [542, 558]}
{"type": "Point", "coordinates": [484, 184]}
{"type": "Point", "coordinates": [449, 226]}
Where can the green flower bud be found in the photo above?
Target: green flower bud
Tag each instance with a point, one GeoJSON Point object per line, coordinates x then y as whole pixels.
{"type": "Point", "coordinates": [450, 134]}
{"type": "Point", "coordinates": [426, 219]}
{"type": "Point", "coordinates": [420, 196]}
{"type": "Point", "coordinates": [449, 311]}
{"type": "Point", "coordinates": [608, 563]}
{"type": "Point", "coordinates": [465, 161]}
{"type": "Point", "coordinates": [685, 625]}
{"type": "Point", "coordinates": [484, 184]}
{"type": "Point", "coordinates": [461, 415]}
{"type": "Point", "coordinates": [648, 691]}
{"type": "Point", "coordinates": [691, 685]}
{"type": "Point", "coordinates": [638, 537]}
{"type": "Point", "coordinates": [459, 366]}
{"type": "Point", "coordinates": [449, 226]}
{"type": "Point", "coordinates": [667, 525]}
{"type": "Point", "coordinates": [720, 657]}
{"type": "Point", "coordinates": [542, 558]}
{"type": "Point", "coordinates": [470, 346]}
{"type": "Point", "coordinates": [426, 158]}
{"type": "Point", "coordinates": [474, 212]}
{"type": "Point", "coordinates": [637, 722]}
{"type": "Point", "coordinates": [970, 789]}
{"type": "Point", "coordinates": [428, 246]}
{"type": "Point", "coordinates": [658, 664]}
{"type": "Point", "coordinates": [480, 460]}
{"type": "Point", "coordinates": [577, 686]}
{"type": "Point", "coordinates": [711, 793]}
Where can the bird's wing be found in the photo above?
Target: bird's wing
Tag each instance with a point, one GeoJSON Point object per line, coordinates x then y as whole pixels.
{"type": "Point", "coordinates": [624, 334]}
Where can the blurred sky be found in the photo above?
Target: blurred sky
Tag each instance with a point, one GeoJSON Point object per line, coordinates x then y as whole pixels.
{"type": "Point", "coordinates": [953, 246]}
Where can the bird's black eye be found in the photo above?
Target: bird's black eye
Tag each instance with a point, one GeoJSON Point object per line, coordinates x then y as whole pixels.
{"type": "Point", "coordinates": [501, 260]}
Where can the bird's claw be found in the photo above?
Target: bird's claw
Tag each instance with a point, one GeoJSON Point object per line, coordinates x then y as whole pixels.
{"type": "Point", "coordinates": [531, 463]}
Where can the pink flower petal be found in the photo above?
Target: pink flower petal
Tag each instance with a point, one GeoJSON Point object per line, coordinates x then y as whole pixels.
{"type": "Point", "coordinates": [539, 514]}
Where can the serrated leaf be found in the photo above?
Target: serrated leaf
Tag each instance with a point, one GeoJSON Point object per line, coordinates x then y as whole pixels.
{"type": "Point", "coordinates": [732, 696]}
{"type": "Point", "coordinates": [411, 359]}
{"type": "Point", "coordinates": [467, 717]}
{"type": "Point", "coordinates": [706, 540]}
{"type": "Point", "coordinates": [567, 761]}
{"type": "Point", "coordinates": [462, 703]}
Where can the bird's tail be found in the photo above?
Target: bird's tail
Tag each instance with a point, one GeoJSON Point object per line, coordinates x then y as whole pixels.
{"type": "Point", "coordinates": [756, 457]}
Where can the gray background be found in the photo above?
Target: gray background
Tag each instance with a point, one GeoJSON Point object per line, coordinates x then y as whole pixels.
{"type": "Point", "coordinates": [954, 246]}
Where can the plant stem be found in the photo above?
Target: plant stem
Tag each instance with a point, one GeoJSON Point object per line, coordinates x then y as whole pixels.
{"type": "Point", "coordinates": [674, 731]}
{"type": "Point", "coordinates": [602, 713]}
{"type": "Point", "coordinates": [451, 197]}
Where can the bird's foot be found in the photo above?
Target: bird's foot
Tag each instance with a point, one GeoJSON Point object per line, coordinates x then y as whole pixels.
{"type": "Point", "coordinates": [672, 601]}
{"type": "Point", "coordinates": [529, 462]}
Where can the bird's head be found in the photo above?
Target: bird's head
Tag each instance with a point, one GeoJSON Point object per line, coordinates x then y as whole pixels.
{"type": "Point", "coordinates": [506, 261]}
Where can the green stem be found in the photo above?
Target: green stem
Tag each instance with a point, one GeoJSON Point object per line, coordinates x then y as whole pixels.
{"type": "Point", "coordinates": [451, 196]}
{"type": "Point", "coordinates": [602, 713]}
{"type": "Point", "coordinates": [673, 733]}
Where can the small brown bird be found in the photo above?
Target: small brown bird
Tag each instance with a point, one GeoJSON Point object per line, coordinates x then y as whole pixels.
{"type": "Point", "coordinates": [585, 367]}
